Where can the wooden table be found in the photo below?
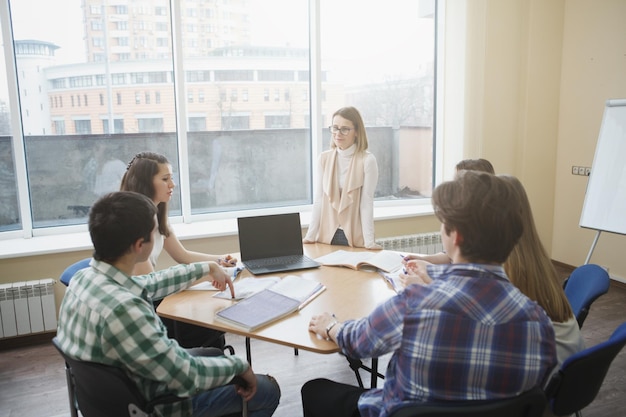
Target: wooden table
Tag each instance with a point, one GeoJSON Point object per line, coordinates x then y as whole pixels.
{"type": "Point", "coordinates": [349, 294]}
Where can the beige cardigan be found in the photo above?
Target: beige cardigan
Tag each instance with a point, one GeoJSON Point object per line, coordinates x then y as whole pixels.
{"type": "Point", "coordinates": [338, 208]}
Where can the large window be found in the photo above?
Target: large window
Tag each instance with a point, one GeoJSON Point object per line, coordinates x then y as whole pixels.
{"type": "Point", "coordinates": [9, 209]}
{"type": "Point", "coordinates": [253, 110]}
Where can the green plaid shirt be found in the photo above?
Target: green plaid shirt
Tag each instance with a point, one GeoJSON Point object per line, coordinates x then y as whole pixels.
{"type": "Point", "coordinates": [108, 317]}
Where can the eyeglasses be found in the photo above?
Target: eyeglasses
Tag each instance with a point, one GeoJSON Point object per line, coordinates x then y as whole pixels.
{"type": "Point", "coordinates": [343, 131]}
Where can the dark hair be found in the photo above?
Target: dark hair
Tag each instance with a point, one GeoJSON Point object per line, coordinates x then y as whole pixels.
{"type": "Point", "coordinates": [352, 114]}
{"type": "Point", "coordinates": [479, 164]}
{"type": "Point", "coordinates": [139, 177]}
{"type": "Point", "coordinates": [117, 220]}
{"type": "Point", "coordinates": [485, 210]}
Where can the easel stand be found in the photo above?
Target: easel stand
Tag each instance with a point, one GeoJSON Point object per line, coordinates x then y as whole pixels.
{"type": "Point", "coordinates": [593, 246]}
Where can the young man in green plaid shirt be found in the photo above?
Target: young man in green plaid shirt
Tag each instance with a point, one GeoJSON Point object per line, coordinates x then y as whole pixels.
{"type": "Point", "coordinates": [107, 316]}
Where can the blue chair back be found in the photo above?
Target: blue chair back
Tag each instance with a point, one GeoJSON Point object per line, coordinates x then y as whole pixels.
{"type": "Point", "coordinates": [583, 287]}
{"type": "Point", "coordinates": [69, 272]}
{"type": "Point", "coordinates": [581, 375]}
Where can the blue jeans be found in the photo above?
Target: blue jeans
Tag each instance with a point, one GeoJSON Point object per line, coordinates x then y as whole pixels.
{"type": "Point", "coordinates": [224, 400]}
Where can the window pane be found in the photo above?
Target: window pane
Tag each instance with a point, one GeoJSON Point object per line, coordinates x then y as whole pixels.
{"type": "Point", "coordinates": [249, 152]}
{"type": "Point", "coordinates": [384, 66]}
{"type": "Point", "coordinates": [9, 208]}
{"type": "Point", "coordinates": [102, 89]}
{"type": "Point", "coordinates": [92, 95]}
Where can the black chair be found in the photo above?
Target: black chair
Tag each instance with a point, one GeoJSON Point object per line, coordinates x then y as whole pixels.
{"type": "Point", "coordinates": [583, 287]}
{"type": "Point", "coordinates": [580, 377]}
{"type": "Point", "coordinates": [99, 390]}
{"type": "Point", "coordinates": [531, 403]}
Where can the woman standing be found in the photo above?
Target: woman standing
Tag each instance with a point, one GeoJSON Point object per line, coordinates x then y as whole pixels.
{"type": "Point", "coordinates": [343, 208]}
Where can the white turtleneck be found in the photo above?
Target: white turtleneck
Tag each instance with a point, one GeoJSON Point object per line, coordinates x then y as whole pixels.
{"type": "Point", "coordinates": [343, 162]}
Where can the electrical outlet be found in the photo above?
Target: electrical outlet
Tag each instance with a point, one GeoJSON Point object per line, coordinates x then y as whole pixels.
{"type": "Point", "coordinates": [587, 171]}
{"type": "Point", "coordinates": [574, 170]}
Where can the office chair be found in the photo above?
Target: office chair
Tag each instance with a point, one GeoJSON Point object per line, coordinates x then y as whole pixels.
{"type": "Point", "coordinates": [531, 403]}
{"type": "Point", "coordinates": [580, 377]}
{"type": "Point", "coordinates": [583, 287]}
{"type": "Point", "coordinates": [69, 272]}
{"type": "Point", "coordinates": [98, 390]}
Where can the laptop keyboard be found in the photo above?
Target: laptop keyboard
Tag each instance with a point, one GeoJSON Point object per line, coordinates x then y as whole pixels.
{"type": "Point", "coordinates": [283, 260]}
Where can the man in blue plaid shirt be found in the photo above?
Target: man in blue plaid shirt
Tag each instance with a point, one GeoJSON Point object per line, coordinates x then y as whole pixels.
{"type": "Point", "coordinates": [107, 317]}
{"type": "Point", "coordinates": [469, 334]}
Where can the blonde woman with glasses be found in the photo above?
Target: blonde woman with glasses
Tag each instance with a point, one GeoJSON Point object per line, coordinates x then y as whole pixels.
{"type": "Point", "coordinates": [343, 207]}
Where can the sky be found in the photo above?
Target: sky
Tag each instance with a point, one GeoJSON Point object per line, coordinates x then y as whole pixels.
{"type": "Point", "coordinates": [353, 49]}
{"type": "Point", "coordinates": [45, 20]}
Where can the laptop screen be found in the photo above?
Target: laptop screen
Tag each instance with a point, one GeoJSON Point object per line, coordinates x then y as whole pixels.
{"type": "Point", "coordinates": [270, 236]}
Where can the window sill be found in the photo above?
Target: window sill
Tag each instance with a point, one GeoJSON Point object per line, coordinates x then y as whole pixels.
{"type": "Point", "coordinates": [79, 241]}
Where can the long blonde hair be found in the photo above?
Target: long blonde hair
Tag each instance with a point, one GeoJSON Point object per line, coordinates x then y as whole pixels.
{"type": "Point", "coordinates": [530, 268]}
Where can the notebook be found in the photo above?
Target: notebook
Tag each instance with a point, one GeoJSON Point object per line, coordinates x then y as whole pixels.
{"type": "Point", "coordinates": [272, 243]}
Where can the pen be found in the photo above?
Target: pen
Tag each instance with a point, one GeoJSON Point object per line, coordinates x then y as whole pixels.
{"type": "Point", "coordinates": [308, 300]}
{"type": "Point", "coordinates": [236, 271]}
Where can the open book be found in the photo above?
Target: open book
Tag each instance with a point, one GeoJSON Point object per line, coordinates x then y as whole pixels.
{"type": "Point", "coordinates": [270, 304]}
{"type": "Point", "coordinates": [384, 260]}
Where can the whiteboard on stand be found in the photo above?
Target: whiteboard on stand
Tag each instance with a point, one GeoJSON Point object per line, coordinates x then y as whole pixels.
{"type": "Point", "coordinates": [604, 208]}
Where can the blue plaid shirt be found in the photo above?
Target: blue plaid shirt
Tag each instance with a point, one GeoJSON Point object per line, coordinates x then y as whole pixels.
{"type": "Point", "coordinates": [469, 335]}
{"type": "Point", "coordinates": [107, 317]}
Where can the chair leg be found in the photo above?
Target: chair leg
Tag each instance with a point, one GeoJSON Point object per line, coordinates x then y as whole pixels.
{"type": "Point", "coordinates": [355, 365]}
{"type": "Point", "coordinates": [70, 392]}
{"type": "Point", "coordinates": [248, 351]}
{"type": "Point", "coordinates": [374, 372]}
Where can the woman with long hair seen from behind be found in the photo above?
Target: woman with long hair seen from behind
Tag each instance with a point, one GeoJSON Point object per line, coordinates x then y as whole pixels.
{"type": "Point", "coordinates": [530, 268]}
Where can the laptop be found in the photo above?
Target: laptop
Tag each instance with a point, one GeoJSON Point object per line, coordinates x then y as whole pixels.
{"type": "Point", "coordinates": [272, 243]}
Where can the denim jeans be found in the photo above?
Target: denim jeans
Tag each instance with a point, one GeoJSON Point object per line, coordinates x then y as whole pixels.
{"type": "Point", "coordinates": [224, 400]}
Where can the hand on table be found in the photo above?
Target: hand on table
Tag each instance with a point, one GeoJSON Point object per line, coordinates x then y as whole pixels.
{"type": "Point", "coordinates": [220, 279]}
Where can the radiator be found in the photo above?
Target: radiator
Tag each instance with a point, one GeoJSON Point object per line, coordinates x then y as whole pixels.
{"type": "Point", "coordinates": [27, 307]}
{"type": "Point", "coordinates": [423, 243]}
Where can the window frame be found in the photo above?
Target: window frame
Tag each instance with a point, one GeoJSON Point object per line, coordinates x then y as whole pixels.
{"type": "Point", "coordinates": [188, 225]}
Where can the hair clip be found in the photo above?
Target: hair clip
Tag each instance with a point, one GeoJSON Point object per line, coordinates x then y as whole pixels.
{"type": "Point", "coordinates": [131, 162]}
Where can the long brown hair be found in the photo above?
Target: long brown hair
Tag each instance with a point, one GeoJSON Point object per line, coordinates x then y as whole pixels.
{"type": "Point", "coordinates": [139, 177]}
{"type": "Point", "coordinates": [530, 268]}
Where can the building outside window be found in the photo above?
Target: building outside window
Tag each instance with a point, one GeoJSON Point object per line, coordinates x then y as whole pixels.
{"type": "Point", "coordinates": [253, 108]}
